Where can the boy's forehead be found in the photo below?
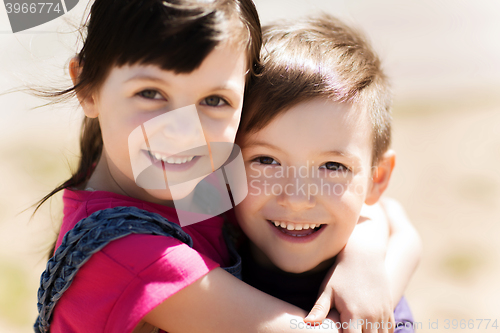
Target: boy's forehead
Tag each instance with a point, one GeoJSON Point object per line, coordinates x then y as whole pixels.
{"type": "Point", "coordinates": [323, 117]}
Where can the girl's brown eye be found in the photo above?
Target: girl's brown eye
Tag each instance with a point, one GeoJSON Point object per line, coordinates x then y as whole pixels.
{"type": "Point", "coordinates": [214, 101]}
{"type": "Point", "coordinates": [148, 93]}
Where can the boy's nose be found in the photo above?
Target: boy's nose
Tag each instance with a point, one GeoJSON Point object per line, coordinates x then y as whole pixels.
{"type": "Point", "coordinates": [296, 195]}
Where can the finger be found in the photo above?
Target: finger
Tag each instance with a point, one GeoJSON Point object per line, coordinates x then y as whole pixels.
{"type": "Point", "coordinates": [392, 327]}
{"type": "Point", "coordinates": [370, 327]}
{"type": "Point", "coordinates": [387, 325]}
{"type": "Point", "coordinates": [321, 308]}
{"type": "Point", "coordinates": [350, 324]}
{"type": "Point", "coordinates": [384, 327]}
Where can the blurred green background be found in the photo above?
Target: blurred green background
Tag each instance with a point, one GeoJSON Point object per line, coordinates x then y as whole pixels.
{"type": "Point", "coordinates": [443, 58]}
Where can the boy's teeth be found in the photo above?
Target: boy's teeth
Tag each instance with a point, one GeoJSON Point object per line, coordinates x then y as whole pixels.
{"type": "Point", "coordinates": [293, 226]}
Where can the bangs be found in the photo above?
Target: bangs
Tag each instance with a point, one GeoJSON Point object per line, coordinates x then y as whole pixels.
{"type": "Point", "coordinates": [180, 45]}
{"type": "Point", "coordinates": [171, 36]}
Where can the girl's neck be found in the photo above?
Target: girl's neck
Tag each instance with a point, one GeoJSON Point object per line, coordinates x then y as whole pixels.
{"type": "Point", "coordinates": [105, 179]}
{"type": "Point", "coordinates": [102, 179]}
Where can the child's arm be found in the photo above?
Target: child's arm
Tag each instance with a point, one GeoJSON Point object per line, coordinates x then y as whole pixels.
{"type": "Point", "coordinates": [404, 249]}
{"type": "Point", "coordinates": [219, 302]}
{"type": "Point", "coordinates": [367, 283]}
{"type": "Point", "coordinates": [357, 285]}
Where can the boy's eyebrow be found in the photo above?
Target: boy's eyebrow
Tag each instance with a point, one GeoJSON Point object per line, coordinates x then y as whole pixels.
{"type": "Point", "coordinates": [325, 153]}
{"type": "Point", "coordinates": [261, 143]}
{"type": "Point", "coordinates": [341, 154]}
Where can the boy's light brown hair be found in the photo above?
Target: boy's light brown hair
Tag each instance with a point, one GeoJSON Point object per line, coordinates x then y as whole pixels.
{"type": "Point", "coordinates": [318, 57]}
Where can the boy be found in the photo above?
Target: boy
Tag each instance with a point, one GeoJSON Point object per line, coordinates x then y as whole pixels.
{"type": "Point", "coordinates": [315, 138]}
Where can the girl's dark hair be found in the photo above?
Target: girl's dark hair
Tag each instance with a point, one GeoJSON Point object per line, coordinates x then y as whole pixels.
{"type": "Point", "coordinates": [175, 35]}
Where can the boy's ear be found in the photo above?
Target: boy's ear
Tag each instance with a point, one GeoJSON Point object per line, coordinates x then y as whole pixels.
{"type": "Point", "coordinates": [87, 101]}
{"type": "Point", "coordinates": [381, 176]}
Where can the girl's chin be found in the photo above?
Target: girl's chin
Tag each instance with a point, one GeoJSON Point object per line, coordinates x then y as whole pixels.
{"type": "Point", "coordinates": [181, 191]}
{"type": "Point", "coordinates": [163, 197]}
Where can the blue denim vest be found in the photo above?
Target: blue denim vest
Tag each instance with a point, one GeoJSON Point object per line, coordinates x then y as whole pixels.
{"type": "Point", "coordinates": [89, 236]}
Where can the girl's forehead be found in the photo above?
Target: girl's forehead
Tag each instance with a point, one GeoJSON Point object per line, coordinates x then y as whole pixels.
{"type": "Point", "coordinates": [224, 62]}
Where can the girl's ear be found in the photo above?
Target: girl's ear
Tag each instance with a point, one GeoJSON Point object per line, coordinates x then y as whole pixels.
{"type": "Point", "coordinates": [87, 101]}
{"type": "Point", "coordinates": [381, 176]}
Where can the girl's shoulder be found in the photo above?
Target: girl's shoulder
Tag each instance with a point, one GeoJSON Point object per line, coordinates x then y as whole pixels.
{"type": "Point", "coordinates": [79, 204]}
{"type": "Point", "coordinates": [120, 267]}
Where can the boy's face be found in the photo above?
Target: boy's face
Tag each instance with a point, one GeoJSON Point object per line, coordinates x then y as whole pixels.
{"type": "Point", "coordinates": [309, 171]}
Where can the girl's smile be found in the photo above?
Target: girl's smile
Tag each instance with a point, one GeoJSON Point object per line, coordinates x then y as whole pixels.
{"type": "Point", "coordinates": [143, 103]}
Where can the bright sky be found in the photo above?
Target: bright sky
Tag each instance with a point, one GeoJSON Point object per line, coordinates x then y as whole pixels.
{"type": "Point", "coordinates": [429, 48]}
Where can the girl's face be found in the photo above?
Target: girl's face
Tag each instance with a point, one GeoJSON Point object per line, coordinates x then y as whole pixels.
{"type": "Point", "coordinates": [168, 120]}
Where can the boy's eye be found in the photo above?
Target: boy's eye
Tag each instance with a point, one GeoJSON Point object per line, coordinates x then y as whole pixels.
{"type": "Point", "coordinates": [214, 101]}
{"type": "Point", "coordinates": [265, 160]}
{"type": "Point", "coordinates": [150, 94]}
{"type": "Point", "coordinates": [334, 166]}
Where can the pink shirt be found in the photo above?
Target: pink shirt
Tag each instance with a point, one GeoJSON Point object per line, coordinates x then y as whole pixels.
{"type": "Point", "coordinates": [130, 276]}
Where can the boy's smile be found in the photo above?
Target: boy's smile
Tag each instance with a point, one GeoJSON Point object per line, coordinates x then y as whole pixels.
{"type": "Point", "coordinates": [309, 173]}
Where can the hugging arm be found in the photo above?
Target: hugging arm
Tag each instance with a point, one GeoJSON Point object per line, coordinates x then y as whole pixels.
{"type": "Point", "coordinates": [403, 250]}
{"type": "Point", "coordinates": [373, 269]}
{"type": "Point", "coordinates": [219, 302]}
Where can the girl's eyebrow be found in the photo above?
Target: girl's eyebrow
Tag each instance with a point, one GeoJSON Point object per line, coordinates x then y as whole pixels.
{"type": "Point", "coordinates": [142, 77]}
{"type": "Point", "coordinates": [226, 86]}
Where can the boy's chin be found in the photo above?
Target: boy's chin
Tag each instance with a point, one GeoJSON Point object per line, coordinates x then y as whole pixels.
{"type": "Point", "coordinates": [306, 266]}
{"type": "Point", "coordinates": [295, 267]}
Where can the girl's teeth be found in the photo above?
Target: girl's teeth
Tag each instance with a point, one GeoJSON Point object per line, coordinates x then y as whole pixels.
{"type": "Point", "coordinates": [283, 225]}
{"type": "Point", "coordinates": [171, 159]}
{"type": "Point", "coordinates": [298, 227]}
{"type": "Point", "coordinates": [305, 226]}
{"type": "Point", "coordinates": [276, 223]}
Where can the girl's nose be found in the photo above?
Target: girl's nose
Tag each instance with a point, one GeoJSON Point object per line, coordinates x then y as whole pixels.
{"type": "Point", "coordinates": [183, 127]}
{"type": "Point", "coordinates": [297, 195]}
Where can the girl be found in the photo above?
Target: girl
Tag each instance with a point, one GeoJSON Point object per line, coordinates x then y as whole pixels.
{"type": "Point", "coordinates": [139, 60]}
